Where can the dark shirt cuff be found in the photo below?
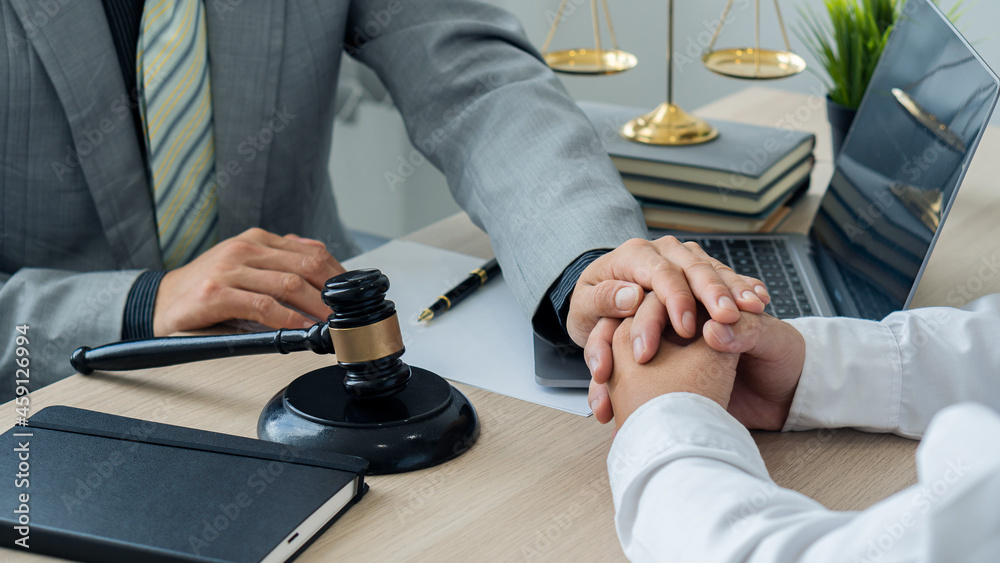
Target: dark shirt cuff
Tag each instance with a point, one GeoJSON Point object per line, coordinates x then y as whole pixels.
{"type": "Point", "coordinates": [138, 321]}
{"type": "Point", "coordinates": [550, 321]}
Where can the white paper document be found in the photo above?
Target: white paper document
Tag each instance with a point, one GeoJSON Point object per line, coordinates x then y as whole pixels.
{"type": "Point", "coordinates": [484, 341]}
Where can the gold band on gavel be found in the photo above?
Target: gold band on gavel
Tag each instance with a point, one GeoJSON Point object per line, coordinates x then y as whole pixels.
{"type": "Point", "coordinates": [367, 343]}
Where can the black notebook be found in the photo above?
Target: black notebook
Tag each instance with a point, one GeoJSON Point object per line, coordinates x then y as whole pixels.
{"type": "Point", "coordinates": [98, 487]}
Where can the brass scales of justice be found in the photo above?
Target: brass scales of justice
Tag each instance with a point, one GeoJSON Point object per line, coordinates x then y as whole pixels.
{"type": "Point", "coordinates": [668, 124]}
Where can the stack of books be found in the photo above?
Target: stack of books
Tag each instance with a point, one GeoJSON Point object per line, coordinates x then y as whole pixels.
{"type": "Point", "coordinates": [743, 181]}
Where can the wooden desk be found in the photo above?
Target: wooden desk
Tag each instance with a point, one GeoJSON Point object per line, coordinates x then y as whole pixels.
{"type": "Point", "coordinates": [535, 486]}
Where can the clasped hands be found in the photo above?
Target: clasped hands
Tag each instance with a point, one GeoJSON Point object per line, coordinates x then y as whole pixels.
{"type": "Point", "coordinates": [697, 328]}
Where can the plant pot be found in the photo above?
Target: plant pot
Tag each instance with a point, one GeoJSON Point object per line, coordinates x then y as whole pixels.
{"type": "Point", "coordinates": [840, 118]}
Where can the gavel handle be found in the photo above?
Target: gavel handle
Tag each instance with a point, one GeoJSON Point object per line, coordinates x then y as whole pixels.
{"type": "Point", "coordinates": [159, 352]}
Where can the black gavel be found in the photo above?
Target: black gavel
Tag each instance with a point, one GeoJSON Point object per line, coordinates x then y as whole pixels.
{"type": "Point", "coordinates": [369, 404]}
{"type": "Point", "coordinates": [170, 351]}
{"type": "Point", "coordinates": [363, 327]}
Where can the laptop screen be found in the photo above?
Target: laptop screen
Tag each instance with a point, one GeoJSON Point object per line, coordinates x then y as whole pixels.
{"type": "Point", "coordinates": [911, 141]}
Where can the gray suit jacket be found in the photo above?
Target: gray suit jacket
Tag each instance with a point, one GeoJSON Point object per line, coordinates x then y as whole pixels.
{"type": "Point", "coordinates": [77, 222]}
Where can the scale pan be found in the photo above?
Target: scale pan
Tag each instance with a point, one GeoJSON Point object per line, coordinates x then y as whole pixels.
{"type": "Point", "coordinates": [590, 61]}
{"type": "Point", "coordinates": [742, 63]}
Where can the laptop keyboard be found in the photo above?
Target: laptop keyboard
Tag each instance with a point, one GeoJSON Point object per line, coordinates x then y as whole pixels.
{"type": "Point", "coordinates": [867, 299]}
{"type": "Point", "coordinates": [768, 261]}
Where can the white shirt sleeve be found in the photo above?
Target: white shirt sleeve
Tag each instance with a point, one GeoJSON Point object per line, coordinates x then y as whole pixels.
{"type": "Point", "coordinates": [892, 376]}
{"type": "Point", "coordinates": [689, 484]}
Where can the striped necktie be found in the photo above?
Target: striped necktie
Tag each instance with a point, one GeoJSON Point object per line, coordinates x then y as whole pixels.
{"type": "Point", "coordinates": [176, 110]}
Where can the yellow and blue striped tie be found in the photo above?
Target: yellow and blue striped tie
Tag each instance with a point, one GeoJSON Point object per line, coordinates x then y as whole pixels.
{"type": "Point", "coordinates": [176, 109]}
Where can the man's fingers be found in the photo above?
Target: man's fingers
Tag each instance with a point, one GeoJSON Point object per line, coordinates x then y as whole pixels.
{"type": "Point", "coordinates": [600, 402]}
{"type": "Point", "coordinates": [719, 336]}
{"type": "Point", "coordinates": [672, 286]}
{"type": "Point", "coordinates": [305, 246]}
{"type": "Point", "coordinates": [609, 298]}
{"type": "Point", "coordinates": [261, 308]}
{"type": "Point", "coordinates": [247, 277]}
{"type": "Point", "coordinates": [614, 298]}
{"type": "Point", "coordinates": [623, 263]}
{"type": "Point", "coordinates": [291, 243]}
{"type": "Point", "coordinates": [305, 257]}
{"type": "Point", "coordinates": [307, 241]}
{"type": "Point", "coordinates": [659, 266]}
{"type": "Point", "coordinates": [703, 277]}
{"type": "Point", "coordinates": [590, 303]}
{"type": "Point", "coordinates": [743, 289]}
{"type": "Point", "coordinates": [759, 288]}
{"type": "Point", "coordinates": [285, 287]}
{"type": "Point", "coordinates": [746, 298]}
{"type": "Point", "coordinates": [313, 266]}
{"type": "Point", "coordinates": [738, 337]}
{"type": "Point", "coordinates": [647, 328]}
{"type": "Point", "coordinates": [681, 275]}
{"type": "Point", "coordinates": [597, 352]}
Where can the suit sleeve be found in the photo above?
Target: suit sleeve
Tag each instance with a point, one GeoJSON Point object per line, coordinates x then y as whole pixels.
{"type": "Point", "coordinates": [894, 375]}
{"type": "Point", "coordinates": [63, 311]}
{"type": "Point", "coordinates": [519, 156]}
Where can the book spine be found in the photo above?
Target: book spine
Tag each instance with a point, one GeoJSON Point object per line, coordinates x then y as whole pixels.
{"type": "Point", "coordinates": [362, 489]}
{"type": "Point", "coordinates": [43, 540]}
{"type": "Point", "coordinates": [81, 421]}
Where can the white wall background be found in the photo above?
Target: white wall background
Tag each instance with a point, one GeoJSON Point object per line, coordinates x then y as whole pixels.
{"type": "Point", "coordinates": [374, 141]}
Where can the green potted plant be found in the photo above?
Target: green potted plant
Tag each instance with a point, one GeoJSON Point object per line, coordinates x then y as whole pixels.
{"type": "Point", "coordinates": [847, 44]}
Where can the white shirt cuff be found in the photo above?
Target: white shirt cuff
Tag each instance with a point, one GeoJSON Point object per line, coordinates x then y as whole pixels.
{"type": "Point", "coordinates": [673, 426]}
{"type": "Point", "coordinates": [851, 377]}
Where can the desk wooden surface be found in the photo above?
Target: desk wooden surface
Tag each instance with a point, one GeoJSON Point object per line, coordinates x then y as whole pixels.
{"type": "Point", "coordinates": [535, 485]}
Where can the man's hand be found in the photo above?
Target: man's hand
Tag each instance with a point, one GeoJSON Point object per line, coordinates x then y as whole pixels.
{"type": "Point", "coordinates": [679, 274]}
{"type": "Point", "coordinates": [679, 365]}
{"type": "Point", "coordinates": [251, 276]}
{"type": "Point", "coordinates": [772, 354]}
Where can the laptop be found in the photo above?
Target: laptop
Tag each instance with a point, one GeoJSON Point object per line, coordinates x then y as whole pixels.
{"type": "Point", "coordinates": [897, 174]}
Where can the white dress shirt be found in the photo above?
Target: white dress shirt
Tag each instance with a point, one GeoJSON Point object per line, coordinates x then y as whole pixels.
{"type": "Point", "coordinates": [689, 483]}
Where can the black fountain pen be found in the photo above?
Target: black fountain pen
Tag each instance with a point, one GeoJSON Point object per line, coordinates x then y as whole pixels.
{"type": "Point", "coordinates": [477, 278]}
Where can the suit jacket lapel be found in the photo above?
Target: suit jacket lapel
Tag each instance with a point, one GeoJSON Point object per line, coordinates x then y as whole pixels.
{"type": "Point", "coordinates": [76, 49]}
{"type": "Point", "coordinates": [244, 46]}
